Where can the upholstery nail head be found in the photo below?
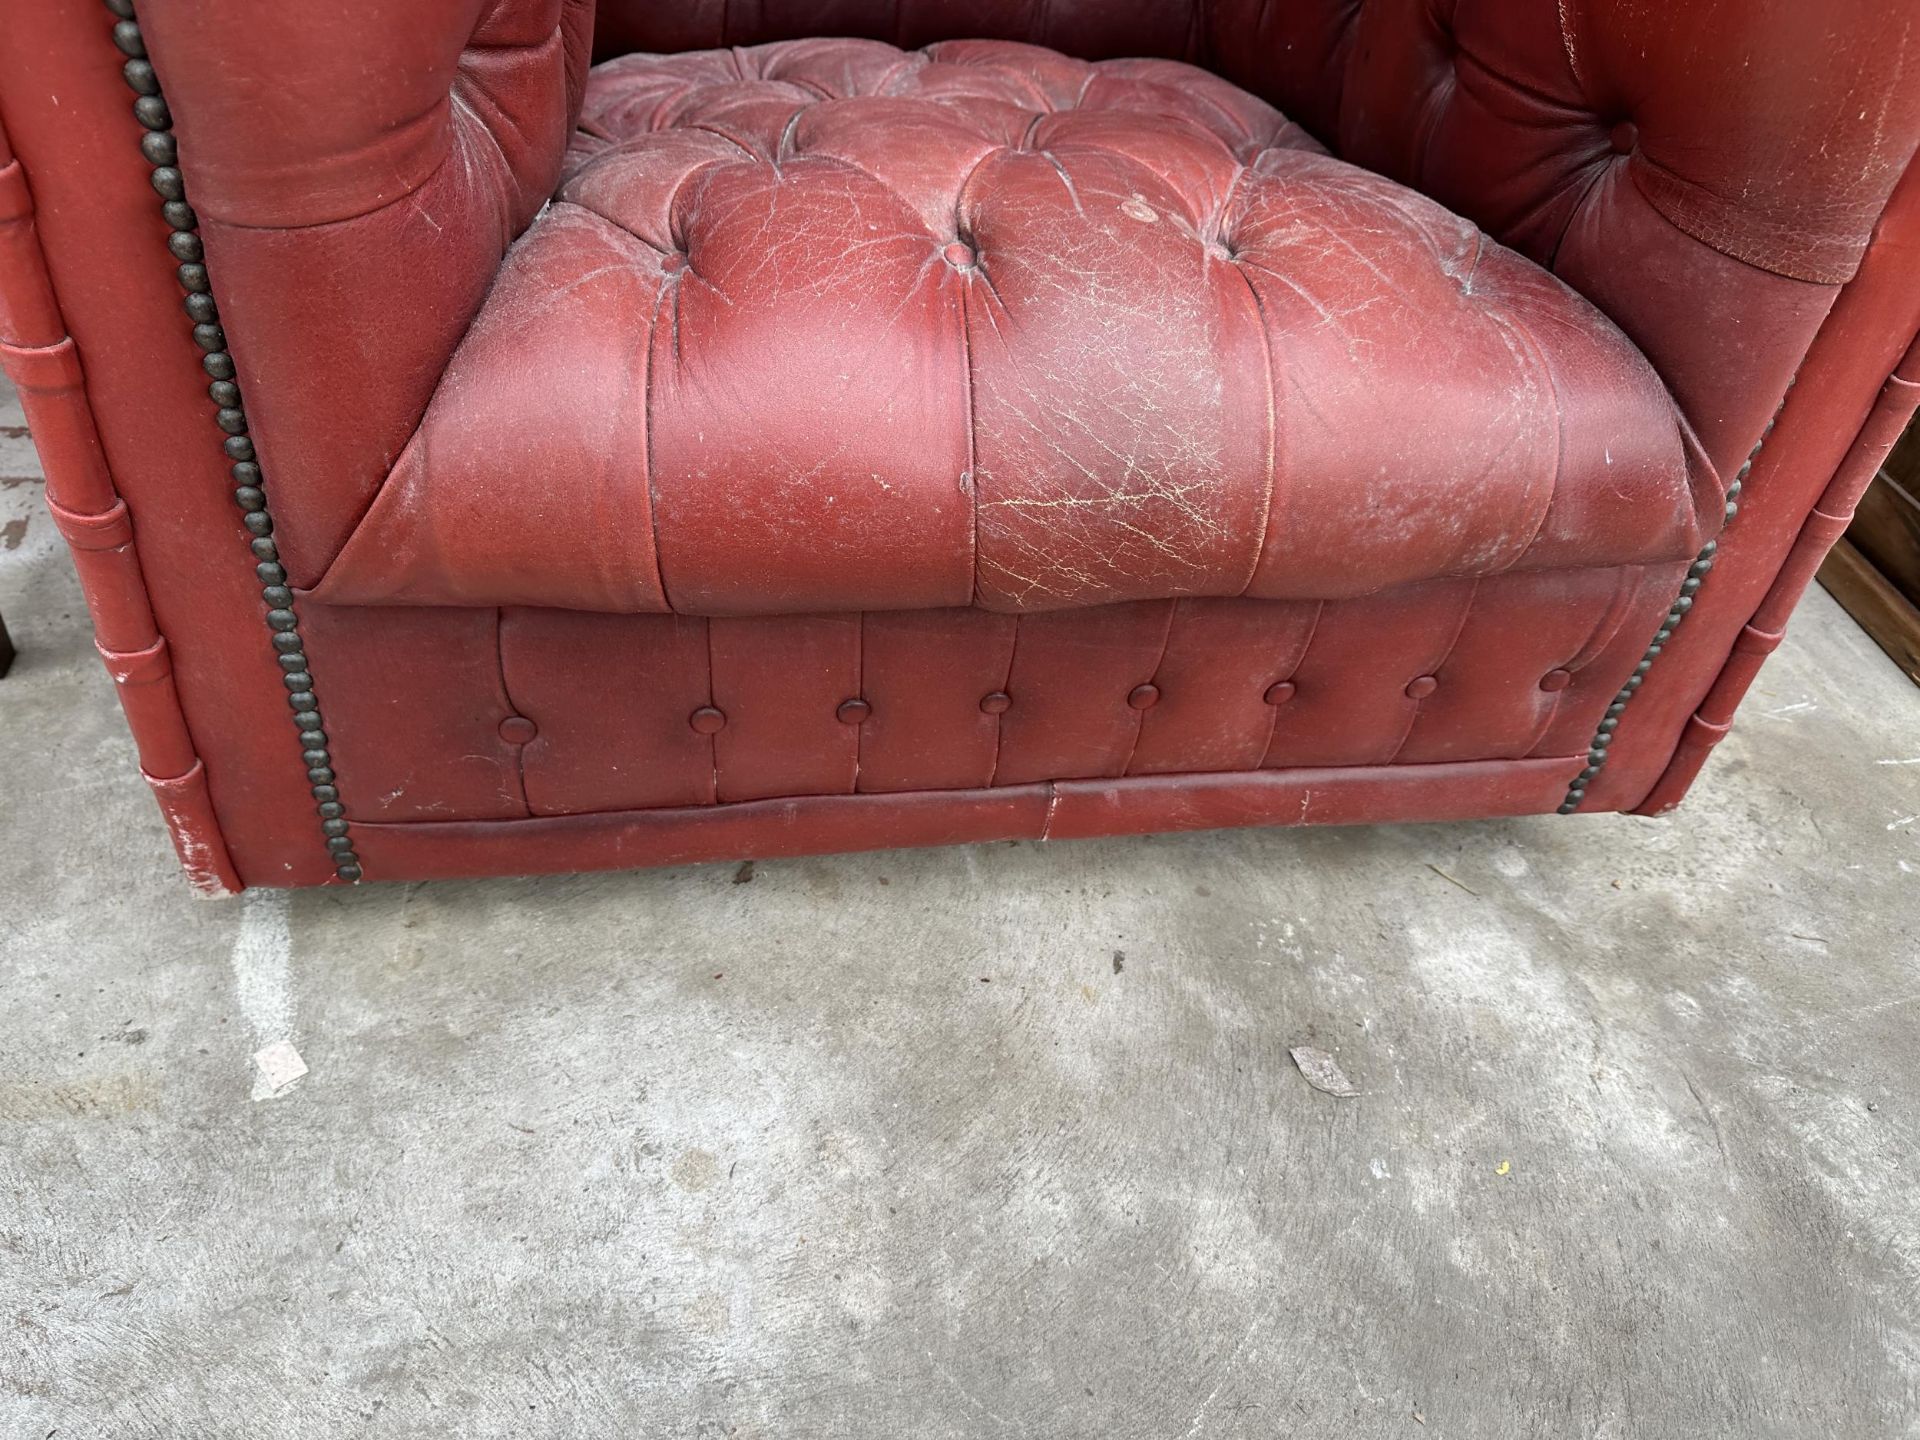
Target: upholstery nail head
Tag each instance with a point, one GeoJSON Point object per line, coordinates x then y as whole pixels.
{"type": "Point", "coordinates": [161, 152]}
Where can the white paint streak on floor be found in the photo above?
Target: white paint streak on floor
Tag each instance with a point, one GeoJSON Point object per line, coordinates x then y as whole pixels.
{"type": "Point", "coordinates": [263, 988]}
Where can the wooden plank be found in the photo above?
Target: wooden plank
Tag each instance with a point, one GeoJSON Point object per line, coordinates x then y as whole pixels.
{"type": "Point", "coordinates": [1886, 532]}
{"type": "Point", "coordinates": [1904, 463]}
{"type": "Point", "coordinates": [1882, 611]}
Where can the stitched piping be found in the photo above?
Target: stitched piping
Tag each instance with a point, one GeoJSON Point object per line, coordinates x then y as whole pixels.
{"type": "Point", "coordinates": [162, 153]}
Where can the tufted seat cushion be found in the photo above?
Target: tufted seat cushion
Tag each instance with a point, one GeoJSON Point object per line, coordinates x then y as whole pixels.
{"type": "Point", "coordinates": [825, 326]}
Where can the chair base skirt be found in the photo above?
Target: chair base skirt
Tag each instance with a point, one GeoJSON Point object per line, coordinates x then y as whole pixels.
{"type": "Point", "coordinates": [1062, 810]}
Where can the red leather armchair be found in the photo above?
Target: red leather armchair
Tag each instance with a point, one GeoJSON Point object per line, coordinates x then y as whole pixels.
{"type": "Point", "coordinates": [837, 424]}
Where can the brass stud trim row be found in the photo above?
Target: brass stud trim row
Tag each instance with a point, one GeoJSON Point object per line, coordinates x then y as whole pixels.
{"type": "Point", "coordinates": [162, 154]}
{"type": "Point", "coordinates": [1683, 604]}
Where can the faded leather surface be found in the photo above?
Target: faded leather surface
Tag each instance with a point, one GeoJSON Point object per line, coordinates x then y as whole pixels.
{"type": "Point", "coordinates": [358, 169]}
{"type": "Point", "coordinates": [829, 326]}
{"type": "Point", "coordinates": [1705, 172]}
{"type": "Point", "coordinates": [1708, 175]}
{"type": "Point", "coordinates": [1770, 129]}
{"type": "Point", "coordinates": [485, 714]}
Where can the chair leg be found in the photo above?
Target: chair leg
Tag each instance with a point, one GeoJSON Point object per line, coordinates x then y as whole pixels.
{"type": "Point", "coordinates": [6, 648]}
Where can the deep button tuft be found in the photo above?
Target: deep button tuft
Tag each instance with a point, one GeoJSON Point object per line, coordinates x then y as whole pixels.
{"type": "Point", "coordinates": [854, 711]}
{"type": "Point", "coordinates": [996, 703]}
{"type": "Point", "coordinates": [1421, 687]}
{"type": "Point", "coordinates": [1556, 680]}
{"type": "Point", "coordinates": [518, 730]}
{"type": "Point", "coordinates": [836, 251]}
{"type": "Point", "coordinates": [708, 720]}
{"type": "Point", "coordinates": [1144, 697]}
{"type": "Point", "coordinates": [1624, 137]}
{"type": "Point", "coordinates": [1280, 692]}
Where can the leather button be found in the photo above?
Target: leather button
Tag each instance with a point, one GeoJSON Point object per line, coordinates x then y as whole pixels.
{"type": "Point", "coordinates": [998, 703]}
{"type": "Point", "coordinates": [1556, 680]}
{"type": "Point", "coordinates": [707, 720]}
{"type": "Point", "coordinates": [1624, 137]}
{"type": "Point", "coordinates": [673, 263]}
{"type": "Point", "coordinates": [960, 256]}
{"type": "Point", "coordinates": [1144, 697]}
{"type": "Point", "coordinates": [1280, 693]}
{"type": "Point", "coordinates": [1422, 687]}
{"type": "Point", "coordinates": [854, 712]}
{"type": "Point", "coordinates": [518, 730]}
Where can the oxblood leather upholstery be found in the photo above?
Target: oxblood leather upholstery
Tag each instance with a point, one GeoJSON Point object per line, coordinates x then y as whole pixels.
{"type": "Point", "coordinates": [1114, 332]}
{"type": "Point", "coordinates": [1518, 668]}
{"type": "Point", "coordinates": [1297, 501]}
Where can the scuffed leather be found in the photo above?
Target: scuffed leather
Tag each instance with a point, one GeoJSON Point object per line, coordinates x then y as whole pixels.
{"type": "Point", "coordinates": [1706, 174]}
{"type": "Point", "coordinates": [827, 326]}
{"type": "Point", "coordinates": [1770, 129]}
{"type": "Point", "coordinates": [1702, 172]}
{"type": "Point", "coordinates": [358, 169]}
{"type": "Point", "coordinates": [1520, 666]}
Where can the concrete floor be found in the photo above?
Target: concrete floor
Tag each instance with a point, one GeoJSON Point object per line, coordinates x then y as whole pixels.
{"type": "Point", "coordinates": [991, 1142]}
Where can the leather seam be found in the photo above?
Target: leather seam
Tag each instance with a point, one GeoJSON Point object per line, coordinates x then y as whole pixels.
{"type": "Point", "coordinates": [1683, 603]}
{"type": "Point", "coordinates": [1273, 406]}
{"type": "Point", "coordinates": [513, 707]}
{"type": "Point", "coordinates": [276, 594]}
{"type": "Point", "coordinates": [1299, 662]}
{"type": "Point", "coordinates": [1459, 629]}
{"type": "Point", "coordinates": [1140, 728]}
{"type": "Point", "coordinates": [1000, 720]}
